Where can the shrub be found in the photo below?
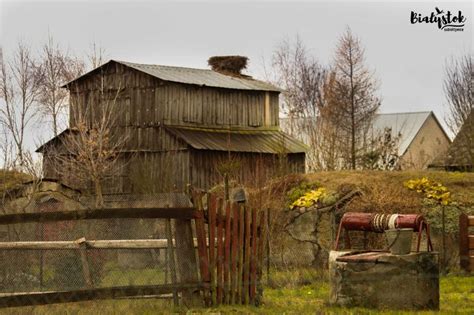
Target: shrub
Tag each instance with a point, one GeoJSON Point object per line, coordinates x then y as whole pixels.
{"type": "Point", "coordinates": [310, 198]}
{"type": "Point", "coordinates": [431, 189]}
{"type": "Point", "coordinates": [299, 191]}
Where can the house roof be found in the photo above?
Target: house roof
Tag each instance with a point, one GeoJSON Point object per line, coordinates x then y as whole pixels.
{"type": "Point", "coordinates": [460, 153]}
{"type": "Point", "coordinates": [406, 124]}
{"type": "Point", "coordinates": [55, 140]}
{"type": "Point", "coordinates": [201, 77]}
{"type": "Point", "coordinates": [274, 142]}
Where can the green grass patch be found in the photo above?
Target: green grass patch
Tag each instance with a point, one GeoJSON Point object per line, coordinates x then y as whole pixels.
{"type": "Point", "coordinates": [120, 277]}
{"type": "Point", "coordinates": [456, 291]}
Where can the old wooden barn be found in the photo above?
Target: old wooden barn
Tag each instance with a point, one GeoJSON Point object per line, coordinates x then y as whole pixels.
{"type": "Point", "coordinates": [182, 126]}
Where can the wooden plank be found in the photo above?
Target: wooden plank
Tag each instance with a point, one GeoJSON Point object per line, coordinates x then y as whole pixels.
{"type": "Point", "coordinates": [85, 264]}
{"type": "Point", "coordinates": [470, 220]}
{"type": "Point", "coordinates": [220, 255]}
{"type": "Point", "coordinates": [170, 260]}
{"type": "Point", "coordinates": [186, 261]}
{"type": "Point", "coordinates": [43, 298]}
{"type": "Point", "coordinates": [262, 234]}
{"type": "Point", "coordinates": [234, 252]}
{"type": "Point", "coordinates": [471, 242]}
{"type": "Point", "coordinates": [240, 274]}
{"type": "Point", "coordinates": [471, 263]}
{"type": "Point", "coordinates": [464, 241]}
{"type": "Point", "coordinates": [253, 258]}
{"type": "Point", "coordinates": [227, 252]}
{"type": "Point", "coordinates": [247, 254]}
{"type": "Point", "coordinates": [94, 214]}
{"type": "Point", "coordinates": [102, 244]}
{"type": "Point", "coordinates": [212, 206]}
{"type": "Point", "coordinates": [202, 247]}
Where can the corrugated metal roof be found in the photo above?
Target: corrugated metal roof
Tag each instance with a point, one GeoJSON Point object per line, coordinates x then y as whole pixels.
{"type": "Point", "coordinates": [405, 124]}
{"type": "Point", "coordinates": [202, 77]}
{"type": "Point", "coordinates": [275, 142]}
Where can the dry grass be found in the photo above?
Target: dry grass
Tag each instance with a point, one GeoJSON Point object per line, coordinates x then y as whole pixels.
{"type": "Point", "coordinates": [11, 179]}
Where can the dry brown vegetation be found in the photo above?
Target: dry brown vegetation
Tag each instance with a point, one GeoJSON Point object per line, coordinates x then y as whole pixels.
{"type": "Point", "coordinates": [381, 192]}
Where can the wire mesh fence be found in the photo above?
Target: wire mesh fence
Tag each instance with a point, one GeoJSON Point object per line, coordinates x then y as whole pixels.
{"type": "Point", "coordinates": [133, 247]}
{"type": "Point", "coordinates": [47, 256]}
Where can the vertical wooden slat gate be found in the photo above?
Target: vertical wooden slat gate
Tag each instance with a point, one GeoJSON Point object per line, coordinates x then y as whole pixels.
{"type": "Point", "coordinates": [231, 250]}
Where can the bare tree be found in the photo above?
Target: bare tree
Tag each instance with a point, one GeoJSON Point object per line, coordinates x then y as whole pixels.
{"type": "Point", "coordinates": [302, 79]}
{"type": "Point", "coordinates": [20, 80]}
{"type": "Point", "coordinates": [6, 148]}
{"type": "Point", "coordinates": [458, 88]}
{"type": "Point", "coordinates": [355, 89]}
{"type": "Point", "coordinates": [58, 68]}
{"type": "Point", "coordinates": [90, 152]}
{"type": "Point", "coordinates": [96, 56]}
{"type": "Point", "coordinates": [382, 152]}
{"type": "Point", "coordinates": [330, 146]}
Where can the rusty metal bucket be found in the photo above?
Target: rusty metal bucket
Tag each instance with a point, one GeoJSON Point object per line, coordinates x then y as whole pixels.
{"type": "Point", "coordinates": [399, 241]}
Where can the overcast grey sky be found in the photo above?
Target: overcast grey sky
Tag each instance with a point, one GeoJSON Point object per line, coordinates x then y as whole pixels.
{"type": "Point", "coordinates": [408, 59]}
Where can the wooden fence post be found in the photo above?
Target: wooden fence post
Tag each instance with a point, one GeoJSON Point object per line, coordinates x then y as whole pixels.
{"type": "Point", "coordinates": [170, 260]}
{"type": "Point", "coordinates": [85, 264]}
{"type": "Point", "coordinates": [212, 208]}
{"type": "Point", "coordinates": [464, 241]}
{"type": "Point", "coordinates": [186, 261]}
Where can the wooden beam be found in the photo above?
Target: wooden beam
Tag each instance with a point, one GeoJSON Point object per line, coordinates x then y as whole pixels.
{"type": "Point", "coordinates": [470, 220]}
{"type": "Point", "coordinates": [94, 214]}
{"type": "Point", "coordinates": [85, 263]}
{"type": "Point", "coordinates": [186, 261]}
{"type": "Point", "coordinates": [171, 260]}
{"type": "Point", "coordinates": [471, 241]}
{"type": "Point", "coordinates": [464, 242]}
{"type": "Point", "coordinates": [105, 244]}
{"type": "Point", "coordinates": [97, 244]}
{"type": "Point", "coordinates": [51, 297]}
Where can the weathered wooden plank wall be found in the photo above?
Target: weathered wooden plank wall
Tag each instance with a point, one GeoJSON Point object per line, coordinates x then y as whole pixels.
{"type": "Point", "coordinates": [204, 167]}
{"type": "Point", "coordinates": [143, 105]}
{"type": "Point", "coordinates": [144, 101]}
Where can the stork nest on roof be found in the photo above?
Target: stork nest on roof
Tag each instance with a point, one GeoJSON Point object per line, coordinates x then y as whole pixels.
{"type": "Point", "coordinates": [232, 65]}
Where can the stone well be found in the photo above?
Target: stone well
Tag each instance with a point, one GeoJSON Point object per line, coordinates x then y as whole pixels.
{"type": "Point", "coordinates": [384, 281]}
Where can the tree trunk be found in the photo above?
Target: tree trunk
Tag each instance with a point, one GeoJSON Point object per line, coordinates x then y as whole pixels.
{"type": "Point", "coordinates": [99, 199]}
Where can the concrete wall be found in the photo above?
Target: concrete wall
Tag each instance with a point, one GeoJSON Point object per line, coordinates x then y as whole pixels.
{"type": "Point", "coordinates": [386, 282]}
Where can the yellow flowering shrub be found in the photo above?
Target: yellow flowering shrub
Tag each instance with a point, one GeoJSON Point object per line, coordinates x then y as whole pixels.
{"type": "Point", "coordinates": [309, 199]}
{"type": "Point", "coordinates": [431, 189]}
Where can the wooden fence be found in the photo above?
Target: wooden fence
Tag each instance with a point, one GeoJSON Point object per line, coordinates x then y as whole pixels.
{"type": "Point", "coordinates": [230, 240]}
{"type": "Point", "coordinates": [466, 242]}
{"type": "Point", "coordinates": [231, 266]}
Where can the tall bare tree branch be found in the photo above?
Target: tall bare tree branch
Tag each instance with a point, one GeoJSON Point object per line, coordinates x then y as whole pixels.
{"type": "Point", "coordinates": [20, 82]}
{"type": "Point", "coordinates": [458, 88]}
{"type": "Point", "coordinates": [355, 89]}
{"type": "Point", "coordinates": [89, 152]}
{"type": "Point", "coordinates": [58, 68]}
